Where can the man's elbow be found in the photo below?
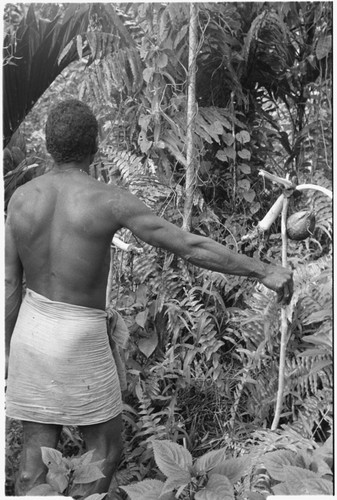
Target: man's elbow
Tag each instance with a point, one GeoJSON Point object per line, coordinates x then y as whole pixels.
{"type": "Point", "coordinates": [13, 287]}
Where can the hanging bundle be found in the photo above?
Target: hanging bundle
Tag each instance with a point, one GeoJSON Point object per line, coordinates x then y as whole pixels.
{"type": "Point", "coordinates": [301, 225]}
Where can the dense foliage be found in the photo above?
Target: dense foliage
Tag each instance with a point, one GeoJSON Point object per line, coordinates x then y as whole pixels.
{"type": "Point", "coordinates": [203, 360]}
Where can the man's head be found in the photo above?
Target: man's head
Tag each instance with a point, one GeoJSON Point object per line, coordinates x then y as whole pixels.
{"type": "Point", "coordinates": [71, 132]}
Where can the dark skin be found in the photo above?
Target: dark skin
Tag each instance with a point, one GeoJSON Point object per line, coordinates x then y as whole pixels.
{"type": "Point", "coordinates": [58, 231]}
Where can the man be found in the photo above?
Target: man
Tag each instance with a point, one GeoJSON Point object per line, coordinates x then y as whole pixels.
{"type": "Point", "coordinates": [58, 232]}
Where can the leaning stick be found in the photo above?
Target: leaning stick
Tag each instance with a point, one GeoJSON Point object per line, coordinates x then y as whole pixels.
{"type": "Point", "coordinates": [284, 323]}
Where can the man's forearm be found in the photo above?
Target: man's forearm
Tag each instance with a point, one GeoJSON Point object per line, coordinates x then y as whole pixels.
{"type": "Point", "coordinates": [208, 254]}
{"type": "Point", "coordinates": [12, 307]}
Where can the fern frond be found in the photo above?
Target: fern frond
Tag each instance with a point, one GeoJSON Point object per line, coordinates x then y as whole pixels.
{"type": "Point", "coordinates": [100, 44]}
{"type": "Point", "coordinates": [124, 162]}
{"type": "Point", "coordinates": [146, 265]}
{"type": "Point", "coordinates": [309, 416]}
{"type": "Point", "coordinates": [306, 373]}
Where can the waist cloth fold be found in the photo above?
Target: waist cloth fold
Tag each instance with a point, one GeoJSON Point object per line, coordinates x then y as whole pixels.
{"type": "Point", "coordinates": [61, 368]}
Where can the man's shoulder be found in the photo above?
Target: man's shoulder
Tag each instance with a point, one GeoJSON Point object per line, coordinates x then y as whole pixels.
{"type": "Point", "coordinates": [20, 191]}
{"type": "Point", "coordinates": [113, 192]}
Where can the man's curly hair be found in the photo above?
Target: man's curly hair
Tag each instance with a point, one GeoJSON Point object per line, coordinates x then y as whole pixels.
{"type": "Point", "coordinates": [71, 132]}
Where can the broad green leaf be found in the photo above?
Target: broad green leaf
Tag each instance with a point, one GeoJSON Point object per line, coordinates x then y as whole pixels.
{"type": "Point", "coordinates": [43, 490]}
{"type": "Point", "coordinates": [173, 483]}
{"type": "Point", "coordinates": [228, 138]}
{"type": "Point", "coordinates": [221, 155]}
{"type": "Point", "coordinates": [87, 474]}
{"type": "Point", "coordinates": [217, 488]}
{"type": "Point", "coordinates": [162, 60]}
{"type": "Point", "coordinates": [144, 121]}
{"type": "Point", "coordinates": [149, 489]}
{"type": "Point", "coordinates": [230, 152]}
{"type": "Point", "coordinates": [57, 480]}
{"type": "Point", "coordinates": [254, 207]}
{"type": "Point", "coordinates": [143, 142]}
{"type": "Point", "coordinates": [210, 460]}
{"type": "Point", "coordinates": [244, 168]}
{"type": "Point", "coordinates": [319, 486]}
{"type": "Point", "coordinates": [84, 459]}
{"type": "Point", "coordinates": [298, 483]}
{"type": "Point", "coordinates": [243, 136]}
{"type": "Point", "coordinates": [233, 468]}
{"type": "Point", "coordinates": [323, 47]}
{"type": "Point", "coordinates": [324, 452]}
{"type": "Point", "coordinates": [244, 154]}
{"type": "Point", "coordinates": [249, 195]}
{"type": "Point", "coordinates": [148, 345]}
{"type": "Point", "coordinates": [141, 318]}
{"type": "Point", "coordinates": [281, 489]}
{"type": "Point", "coordinates": [293, 472]}
{"type": "Point", "coordinates": [51, 456]}
{"type": "Point", "coordinates": [147, 74]}
{"type": "Point", "coordinates": [244, 184]}
{"type": "Point", "coordinates": [276, 462]}
{"type": "Point", "coordinates": [173, 460]}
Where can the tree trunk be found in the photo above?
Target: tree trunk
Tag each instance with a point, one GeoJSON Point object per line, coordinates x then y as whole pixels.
{"type": "Point", "coordinates": [191, 111]}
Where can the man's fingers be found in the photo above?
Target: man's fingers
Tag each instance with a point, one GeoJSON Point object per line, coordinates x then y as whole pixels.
{"type": "Point", "coordinates": [285, 294]}
{"type": "Point", "coordinates": [280, 296]}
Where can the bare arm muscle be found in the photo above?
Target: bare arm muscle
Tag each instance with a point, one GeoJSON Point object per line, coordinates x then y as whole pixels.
{"type": "Point", "coordinates": [199, 250]}
{"type": "Point", "coordinates": [13, 282]}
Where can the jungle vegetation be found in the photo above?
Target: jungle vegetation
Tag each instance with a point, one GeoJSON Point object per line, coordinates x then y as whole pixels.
{"type": "Point", "coordinates": [204, 356]}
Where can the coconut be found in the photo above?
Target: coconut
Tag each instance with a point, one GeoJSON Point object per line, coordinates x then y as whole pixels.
{"type": "Point", "coordinates": [301, 225]}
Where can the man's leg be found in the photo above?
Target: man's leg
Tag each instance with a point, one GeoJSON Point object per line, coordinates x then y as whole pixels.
{"type": "Point", "coordinates": [106, 440]}
{"type": "Point", "coordinates": [32, 470]}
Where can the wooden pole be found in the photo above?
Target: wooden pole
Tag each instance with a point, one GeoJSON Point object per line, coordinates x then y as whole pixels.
{"type": "Point", "coordinates": [191, 111]}
{"type": "Point", "coordinates": [284, 323]}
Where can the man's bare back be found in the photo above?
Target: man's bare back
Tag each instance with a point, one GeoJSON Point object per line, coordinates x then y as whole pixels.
{"type": "Point", "coordinates": [63, 226]}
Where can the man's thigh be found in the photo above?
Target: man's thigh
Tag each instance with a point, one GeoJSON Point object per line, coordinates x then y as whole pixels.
{"type": "Point", "coordinates": [36, 435]}
{"type": "Point", "coordinates": [105, 437]}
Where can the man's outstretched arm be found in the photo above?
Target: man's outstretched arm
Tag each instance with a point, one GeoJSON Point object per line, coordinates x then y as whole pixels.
{"type": "Point", "coordinates": [13, 285]}
{"type": "Point", "coordinates": [201, 251]}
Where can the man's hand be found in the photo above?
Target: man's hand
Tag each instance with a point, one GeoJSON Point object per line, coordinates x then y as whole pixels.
{"type": "Point", "coordinates": [280, 280]}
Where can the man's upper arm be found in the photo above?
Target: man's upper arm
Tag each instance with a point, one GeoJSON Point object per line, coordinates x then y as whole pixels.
{"type": "Point", "coordinates": [154, 230]}
{"type": "Point", "coordinates": [13, 265]}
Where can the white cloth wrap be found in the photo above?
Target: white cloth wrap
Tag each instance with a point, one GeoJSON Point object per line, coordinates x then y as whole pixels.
{"type": "Point", "coordinates": [61, 368]}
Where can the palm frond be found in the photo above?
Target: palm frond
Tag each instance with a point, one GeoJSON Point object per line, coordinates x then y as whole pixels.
{"type": "Point", "coordinates": [36, 51]}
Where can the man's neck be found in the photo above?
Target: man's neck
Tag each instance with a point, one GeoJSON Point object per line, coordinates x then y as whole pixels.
{"type": "Point", "coordinates": [72, 167]}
